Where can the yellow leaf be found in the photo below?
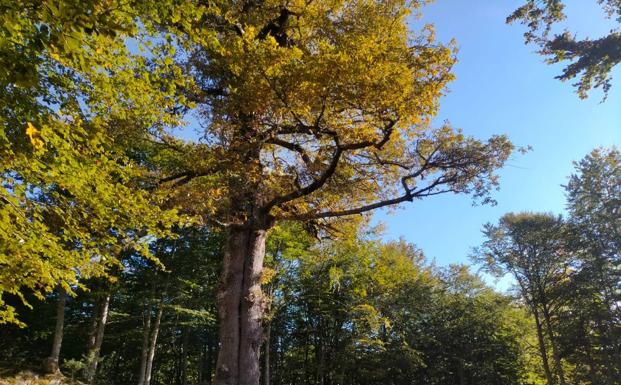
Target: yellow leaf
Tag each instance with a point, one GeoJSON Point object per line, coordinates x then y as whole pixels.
{"type": "Point", "coordinates": [33, 134]}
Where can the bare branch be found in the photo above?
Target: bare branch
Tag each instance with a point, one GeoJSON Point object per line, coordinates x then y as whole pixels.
{"type": "Point", "coordinates": [332, 166]}
{"type": "Point", "coordinates": [292, 147]}
{"type": "Point", "coordinates": [408, 196]}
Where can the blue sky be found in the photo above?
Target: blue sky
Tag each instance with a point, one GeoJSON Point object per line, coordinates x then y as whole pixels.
{"type": "Point", "coordinates": [503, 86]}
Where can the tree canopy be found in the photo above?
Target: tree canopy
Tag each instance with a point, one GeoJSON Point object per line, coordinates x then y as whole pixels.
{"type": "Point", "coordinates": [244, 254]}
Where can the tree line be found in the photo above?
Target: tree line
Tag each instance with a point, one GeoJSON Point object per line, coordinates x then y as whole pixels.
{"type": "Point", "coordinates": [355, 309]}
{"type": "Point", "coordinates": [568, 273]}
{"type": "Point", "coordinates": [311, 113]}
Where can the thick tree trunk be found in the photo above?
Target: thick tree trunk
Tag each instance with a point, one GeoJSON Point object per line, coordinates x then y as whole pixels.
{"type": "Point", "coordinates": [50, 364]}
{"type": "Point", "coordinates": [542, 348]}
{"type": "Point", "coordinates": [153, 343]}
{"type": "Point", "coordinates": [145, 344]}
{"type": "Point", "coordinates": [93, 354]}
{"type": "Point", "coordinates": [268, 335]}
{"type": "Point", "coordinates": [240, 305]}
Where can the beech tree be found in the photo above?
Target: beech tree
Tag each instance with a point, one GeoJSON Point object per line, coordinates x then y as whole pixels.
{"type": "Point", "coordinates": [311, 111]}
{"type": "Point", "coordinates": [71, 199]}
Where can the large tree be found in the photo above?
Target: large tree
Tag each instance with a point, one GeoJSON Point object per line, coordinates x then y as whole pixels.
{"type": "Point", "coordinates": [311, 111]}
{"type": "Point", "coordinates": [594, 205]}
{"type": "Point", "coordinates": [531, 248]}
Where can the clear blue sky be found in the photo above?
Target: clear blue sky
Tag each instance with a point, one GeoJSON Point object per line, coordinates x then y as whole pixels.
{"type": "Point", "coordinates": [503, 86]}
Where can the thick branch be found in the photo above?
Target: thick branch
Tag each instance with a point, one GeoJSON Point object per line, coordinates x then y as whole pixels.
{"type": "Point", "coordinates": [332, 166]}
{"type": "Point", "coordinates": [408, 196]}
{"type": "Point", "coordinates": [182, 178]}
{"type": "Point", "coordinates": [291, 146]}
{"type": "Point", "coordinates": [314, 186]}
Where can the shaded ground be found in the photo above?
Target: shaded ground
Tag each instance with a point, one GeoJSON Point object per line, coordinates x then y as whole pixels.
{"type": "Point", "coordinates": [31, 378]}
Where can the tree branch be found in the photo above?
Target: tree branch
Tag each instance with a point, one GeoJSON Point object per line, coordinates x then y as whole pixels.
{"type": "Point", "coordinates": [332, 166]}
{"type": "Point", "coordinates": [408, 196]}
{"type": "Point", "coordinates": [291, 146]}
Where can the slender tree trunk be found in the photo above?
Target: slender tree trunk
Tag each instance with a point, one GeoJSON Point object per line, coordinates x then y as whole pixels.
{"type": "Point", "coordinates": [320, 355]}
{"type": "Point", "coordinates": [50, 364]}
{"type": "Point", "coordinates": [460, 372]}
{"type": "Point", "coordinates": [211, 358]}
{"type": "Point", "coordinates": [93, 354]}
{"type": "Point", "coordinates": [609, 342]}
{"type": "Point", "coordinates": [153, 343]}
{"type": "Point", "coordinates": [185, 339]}
{"type": "Point", "coordinates": [92, 333]}
{"type": "Point", "coordinates": [555, 352]}
{"type": "Point", "coordinates": [542, 348]}
{"type": "Point", "coordinates": [145, 343]}
{"type": "Point", "coordinates": [240, 305]}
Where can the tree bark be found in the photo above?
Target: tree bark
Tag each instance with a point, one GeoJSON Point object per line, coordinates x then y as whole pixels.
{"type": "Point", "coordinates": [50, 364]}
{"type": "Point", "coordinates": [153, 344]}
{"type": "Point", "coordinates": [542, 348]}
{"type": "Point", "coordinates": [145, 344]}
{"type": "Point", "coordinates": [268, 334]}
{"type": "Point", "coordinates": [240, 308]}
{"type": "Point", "coordinates": [93, 354]}
{"type": "Point", "coordinates": [460, 372]}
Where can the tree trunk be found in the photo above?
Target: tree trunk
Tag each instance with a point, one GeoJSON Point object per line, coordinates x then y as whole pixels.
{"type": "Point", "coordinates": [555, 352]}
{"type": "Point", "coordinates": [183, 357]}
{"type": "Point", "coordinates": [460, 372]}
{"type": "Point", "coordinates": [240, 308]}
{"type": "Point", "coordinates": [542, 348]}
{"type": "Point", "coordinates": [93, 354]}
{"type": "Point", "coordinates": [50, 364]}
{"type": "Point", "coordinates": [145, 344]}
{"type": "Point", "coordinates": [153, 343]}
{"type": "Point", "coordinates": [268, 334]}
{"type": "Point", "coordinates": [610, 343]}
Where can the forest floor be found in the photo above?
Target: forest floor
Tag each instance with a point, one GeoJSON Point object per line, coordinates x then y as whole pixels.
{"type": "Point", "coordinates": [31, 378]}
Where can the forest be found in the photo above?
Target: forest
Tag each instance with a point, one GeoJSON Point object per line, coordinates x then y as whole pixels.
{"type": "Point", "coordinates": [188, 190]}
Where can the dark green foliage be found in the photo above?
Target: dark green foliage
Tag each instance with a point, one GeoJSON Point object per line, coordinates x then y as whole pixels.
{"type": "Point", "coordinates": [363, 312]}
{"type": "Point", "coordinates": [590, 60]}
{"type": "Point", "coordinates": [568, 272]}
{"type": "Point", "coordinates": [349, 311]}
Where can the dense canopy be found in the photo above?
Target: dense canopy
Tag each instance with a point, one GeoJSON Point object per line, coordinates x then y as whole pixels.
{"type": "Point", "coordinates": [242, 252]}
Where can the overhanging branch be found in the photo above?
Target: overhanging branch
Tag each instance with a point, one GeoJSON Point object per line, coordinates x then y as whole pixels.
{"type": "Point", "coordinates": [329, 171]}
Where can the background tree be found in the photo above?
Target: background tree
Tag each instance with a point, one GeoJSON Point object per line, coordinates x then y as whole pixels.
{"type": "Point", "coordinates": [70, 197]}
{"type": "Point", "coordinates": [360, 311]}
{"type": "Point", "coordinates": [531, 247]}
{"type": "Point", "coordinates": [594, 202]}
{"type": "Point", "coordinates": [590, 60]}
